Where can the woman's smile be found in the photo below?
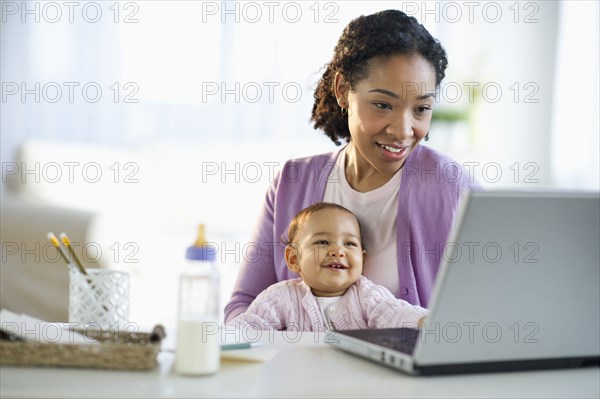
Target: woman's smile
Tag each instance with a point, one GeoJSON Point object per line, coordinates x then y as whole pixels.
{"type": "Point", "coordinates": [393, 152]}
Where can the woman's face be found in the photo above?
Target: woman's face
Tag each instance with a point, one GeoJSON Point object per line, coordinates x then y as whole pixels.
{"type": "Point", "coordinates": [389, 112]}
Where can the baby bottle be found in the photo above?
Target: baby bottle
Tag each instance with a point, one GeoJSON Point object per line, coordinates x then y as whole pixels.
{"type": "Point", "coordinates": [198, 333]}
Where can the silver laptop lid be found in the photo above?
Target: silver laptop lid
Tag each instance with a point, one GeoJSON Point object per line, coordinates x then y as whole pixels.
{"type": "Point", "coordinates": [519, 279]}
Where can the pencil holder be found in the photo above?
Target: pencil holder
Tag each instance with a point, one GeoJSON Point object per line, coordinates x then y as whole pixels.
{"type": "Point", "coordinates": [99, 298]}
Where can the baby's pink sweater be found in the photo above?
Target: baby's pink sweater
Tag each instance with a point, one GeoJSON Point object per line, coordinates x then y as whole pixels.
{"type": "Point", "coordinates": [290, 305]}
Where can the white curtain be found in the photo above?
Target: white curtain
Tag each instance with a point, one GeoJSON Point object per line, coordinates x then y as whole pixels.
{"type": "Point", "coordinates": [132, 73]}
{"type": "Point", "coordinates": [198, 72]}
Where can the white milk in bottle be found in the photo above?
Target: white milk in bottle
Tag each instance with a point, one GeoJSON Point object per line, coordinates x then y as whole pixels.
{"type": "Point", "coordinates": [198, 331]}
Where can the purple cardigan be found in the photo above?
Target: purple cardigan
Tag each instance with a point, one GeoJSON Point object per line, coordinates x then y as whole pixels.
{"type": "Point", "coordinates": [427, 201]}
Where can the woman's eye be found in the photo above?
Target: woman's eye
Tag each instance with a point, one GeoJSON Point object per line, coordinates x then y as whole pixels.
{"type": "Point", "coordinates": [423, 109]}
{"type": "Point", "coordinates": [383, 105]}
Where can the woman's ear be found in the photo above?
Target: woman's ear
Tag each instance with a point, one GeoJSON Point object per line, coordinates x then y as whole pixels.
{"type": "Point", "coordinates": [292, 257]}
{"type": "Point", "coordinates": [340, 87]}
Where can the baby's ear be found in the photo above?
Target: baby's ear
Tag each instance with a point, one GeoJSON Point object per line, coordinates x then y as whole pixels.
{"type": "Point", "coordinates": [292, 257]}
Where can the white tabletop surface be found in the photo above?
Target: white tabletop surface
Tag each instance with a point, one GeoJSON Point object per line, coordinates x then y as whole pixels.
{"type": "Point", "coordinates": [299, 367]}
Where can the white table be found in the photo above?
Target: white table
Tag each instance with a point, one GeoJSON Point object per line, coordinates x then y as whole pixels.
{"type": "Point", "coordinates": [301, 369]}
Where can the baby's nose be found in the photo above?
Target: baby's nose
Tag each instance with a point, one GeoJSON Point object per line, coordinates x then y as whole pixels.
{"type": "Point", "coordinates": [335, 250]}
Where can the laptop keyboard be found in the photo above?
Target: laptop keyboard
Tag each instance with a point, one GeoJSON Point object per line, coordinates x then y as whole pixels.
{"type": "Point", "coordinates": [402, 339]}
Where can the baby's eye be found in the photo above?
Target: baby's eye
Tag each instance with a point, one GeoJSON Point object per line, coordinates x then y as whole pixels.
{"type": "Point", "coordinates": [322, 242]}
{"type": "Point", "coordinates": [352, 244]}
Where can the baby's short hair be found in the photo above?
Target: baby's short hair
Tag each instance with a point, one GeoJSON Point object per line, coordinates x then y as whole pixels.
{"type": "Point", "coordinates": [302, 217]}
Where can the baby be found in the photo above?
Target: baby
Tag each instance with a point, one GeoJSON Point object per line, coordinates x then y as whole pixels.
{"type": "Point", "coordinates": [324, 247]}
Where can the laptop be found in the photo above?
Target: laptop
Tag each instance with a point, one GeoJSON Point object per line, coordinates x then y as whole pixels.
{"type": "Point", "coordinates": [518, 288]}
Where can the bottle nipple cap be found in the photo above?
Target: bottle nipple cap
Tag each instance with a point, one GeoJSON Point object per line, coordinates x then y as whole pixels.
{"type": "Point", "coordinates": [201, 250]}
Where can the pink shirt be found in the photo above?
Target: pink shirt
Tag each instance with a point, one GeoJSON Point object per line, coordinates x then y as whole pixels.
{"type": "Point", "coordinates": [290, 305]}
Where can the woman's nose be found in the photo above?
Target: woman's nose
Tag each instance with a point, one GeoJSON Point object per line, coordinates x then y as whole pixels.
{"type": "Point", "coordinates": [400, 126]}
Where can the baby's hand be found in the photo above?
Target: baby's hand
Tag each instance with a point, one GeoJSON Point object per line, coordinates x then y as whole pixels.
{"type": "Point", "coordinates": [421, 321]}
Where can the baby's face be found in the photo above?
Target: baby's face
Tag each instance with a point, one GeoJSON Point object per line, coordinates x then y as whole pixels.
{"type": "Point", "coordinates": [328, 255]}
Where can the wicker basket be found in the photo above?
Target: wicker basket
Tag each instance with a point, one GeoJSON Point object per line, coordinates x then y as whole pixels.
{"type": "Point", "coordinates": [121, 350]}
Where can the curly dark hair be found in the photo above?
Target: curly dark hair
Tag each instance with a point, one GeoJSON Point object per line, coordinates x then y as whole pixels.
{"type": "Point", "coordinates": [380, 35]}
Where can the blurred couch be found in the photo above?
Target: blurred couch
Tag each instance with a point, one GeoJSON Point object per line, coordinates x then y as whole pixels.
{"type": "Point", "coordinates": [91, 193]}
{"type": "Point", "coordinates": [139, 205]}
{"type": "Point", "coordinates": [33, 277]}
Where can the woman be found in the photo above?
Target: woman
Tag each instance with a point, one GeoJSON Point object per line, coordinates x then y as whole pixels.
{"type": "Point", "coordinates": [377, 94]}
